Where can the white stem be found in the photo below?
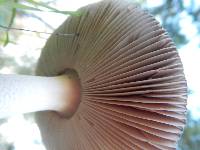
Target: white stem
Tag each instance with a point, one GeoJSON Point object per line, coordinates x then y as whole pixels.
{"type": "Point", "coordinates": [23, 94]}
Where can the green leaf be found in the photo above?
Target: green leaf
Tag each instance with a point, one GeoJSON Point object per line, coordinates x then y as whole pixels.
{"type": "Point", "coordinates": [6, 41]}
{"type": "Point", "coordinates": [40, 4]}
{"type": "Point", "coordinates": [51, 9]}
{"type": "Point", "coordinates": [12, 16]}
{"type": "Point", "coordinates": [21, 6]}
{"type": "Point", "coordinates": [74, 13]}
{"type": "Point", "coordinates": [17, 5]}
{"type": "Point", "coordinates": [9, 20]}
{"type": "Point", "coordinates": [2, 2]}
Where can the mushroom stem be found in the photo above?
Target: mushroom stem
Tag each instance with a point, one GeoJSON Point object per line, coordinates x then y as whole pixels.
{"type": "Point", "coordinates": [24, 94]}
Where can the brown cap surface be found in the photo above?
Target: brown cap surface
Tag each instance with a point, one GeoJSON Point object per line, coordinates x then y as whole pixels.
{"type": "Point", "coordinates": [133, 87]}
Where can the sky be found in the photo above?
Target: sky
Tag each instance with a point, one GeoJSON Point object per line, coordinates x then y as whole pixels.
{"type": "Point", "coordinates": [189, 53]}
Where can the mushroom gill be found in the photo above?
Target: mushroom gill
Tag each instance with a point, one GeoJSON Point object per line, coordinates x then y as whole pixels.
{"type": "Point", "coordinates": [133, 89]}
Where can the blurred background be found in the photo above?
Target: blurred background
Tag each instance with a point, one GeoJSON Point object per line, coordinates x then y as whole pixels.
{"type": "Point", "coordinates": [19, 51]}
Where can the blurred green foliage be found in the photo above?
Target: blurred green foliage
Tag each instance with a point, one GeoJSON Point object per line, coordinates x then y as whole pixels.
{"type": "Point", "coordinates": [191, 136]}
{"type": "Point", "coordinates": [9, 9]}
{"type": "Point", "coordinates": [7, 16]}
{"type": "Point", "coordinates": [170, 14]}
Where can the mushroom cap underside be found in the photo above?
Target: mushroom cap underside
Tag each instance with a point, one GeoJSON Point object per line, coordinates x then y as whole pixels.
{"type": "Point", "coordinates": [134, 90]}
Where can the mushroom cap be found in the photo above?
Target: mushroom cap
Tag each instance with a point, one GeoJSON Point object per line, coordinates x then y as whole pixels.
{"type": "Point", "coordinates": [134, 90]}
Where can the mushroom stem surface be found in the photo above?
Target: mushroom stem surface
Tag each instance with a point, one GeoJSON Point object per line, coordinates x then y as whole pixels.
{"type": "Point", "coordinates": [23, 94]}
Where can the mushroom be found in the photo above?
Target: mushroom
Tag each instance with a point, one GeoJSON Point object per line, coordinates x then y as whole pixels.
{"type": "Point", "coordinates": [128, 79]}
